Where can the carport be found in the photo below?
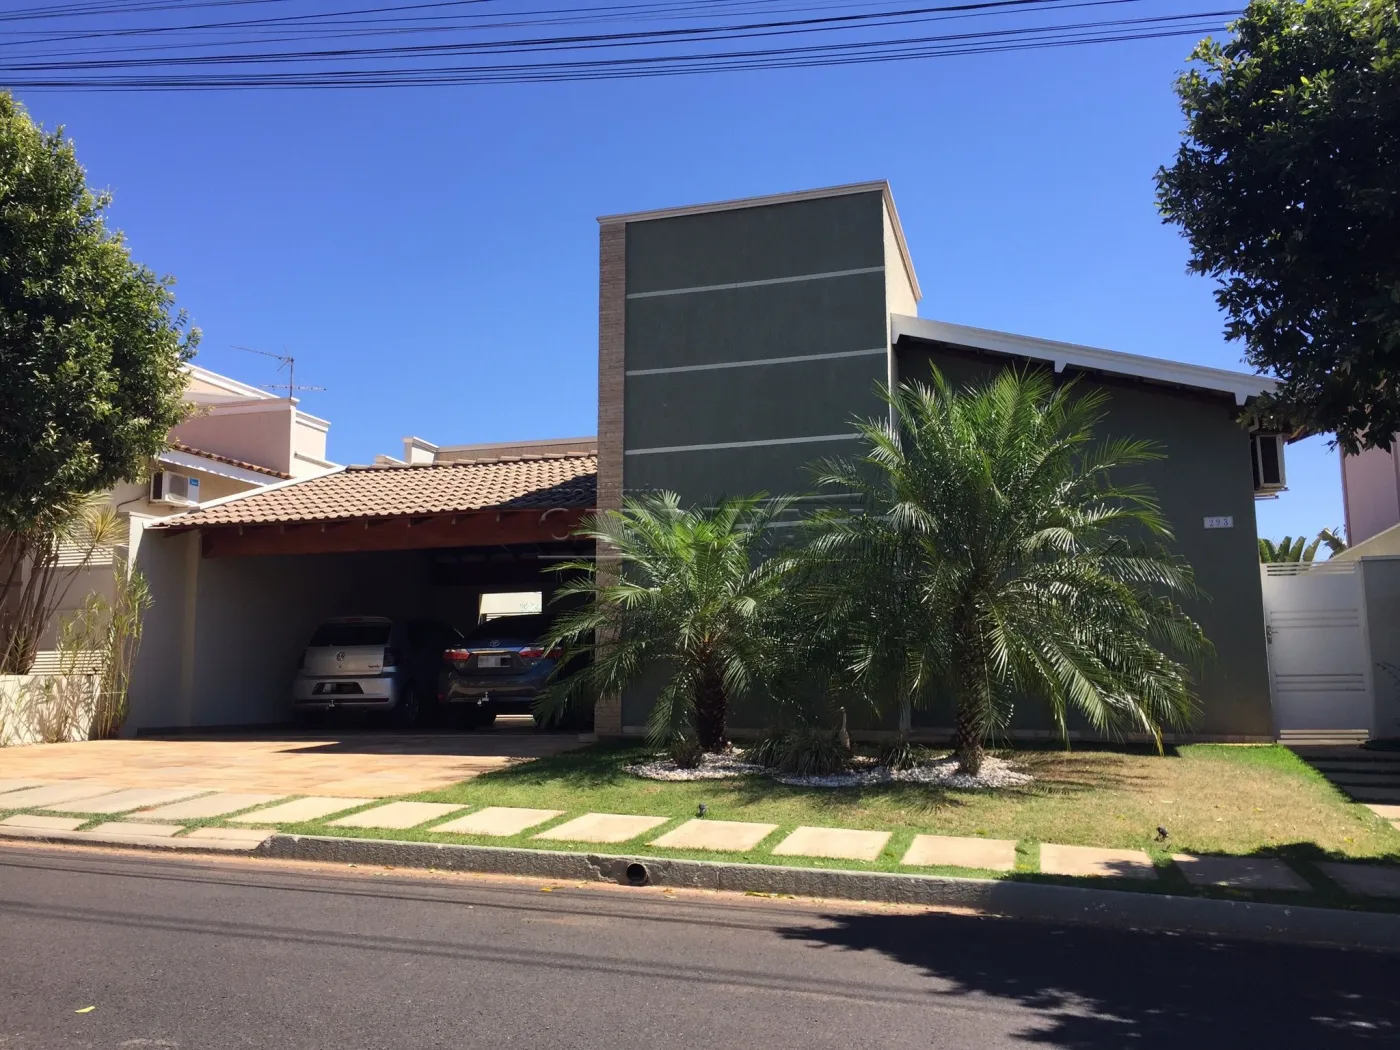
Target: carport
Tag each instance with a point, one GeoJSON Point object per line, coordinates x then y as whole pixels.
{"type": "Point", "coordinates": [239, 584]}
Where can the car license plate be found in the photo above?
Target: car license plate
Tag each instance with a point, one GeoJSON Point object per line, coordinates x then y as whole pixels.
{"type": "Point", "coordinates": [493, 661]}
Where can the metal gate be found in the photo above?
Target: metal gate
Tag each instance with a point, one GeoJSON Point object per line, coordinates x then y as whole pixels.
{"type": "Point", "coordinates": [1319, 659]}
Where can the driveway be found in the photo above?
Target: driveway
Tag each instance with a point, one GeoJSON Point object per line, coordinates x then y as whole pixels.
{"type": "Point", "coordinates": [359, 764]}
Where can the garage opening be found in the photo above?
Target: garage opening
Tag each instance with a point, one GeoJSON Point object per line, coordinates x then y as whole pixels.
{"type": "Point", "coordinates": [417, 555]}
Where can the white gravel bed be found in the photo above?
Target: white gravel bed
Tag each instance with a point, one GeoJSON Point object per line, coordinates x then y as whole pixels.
{"type": "Point", "coordinates": [995, 773]}
{"type": "Point", "coordinates": [712, 767]}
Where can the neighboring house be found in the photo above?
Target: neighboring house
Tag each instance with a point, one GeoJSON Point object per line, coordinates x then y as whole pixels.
{"type": "Point", "coordinates": [737, 342]}
{"type": "Point", "coordinates": [1371, 492]}
{"type": "Point", "coordinates": [237, 439]}
{"type": "Point", "coordinates": [417, 451]}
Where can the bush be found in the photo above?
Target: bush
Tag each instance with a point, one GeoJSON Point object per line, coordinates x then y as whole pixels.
{"type": "Point", "coordinates": [767, 750]}
{"type": "Point", "coordinates": [902, 753]}
{"type": "Point", "coordinates": [685, 751]}
{"type": "Point", "coordinates": [811, 752]}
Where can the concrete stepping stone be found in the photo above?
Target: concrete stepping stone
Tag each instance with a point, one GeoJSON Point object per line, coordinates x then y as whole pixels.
{"type": "Point", "coordinates": [396, 815]}
{"type": "Point", "coordinates": [732, 836]}
{"type": "Point", "coordinates": [602, 827]}
{"type": "Point", "coordinates": [946, 851]}
{"type": "Point", "coordinates": [215, 805]}
{"type": "Point", "coordinates": [837, 843]}
{"type": "Point", "coordinates": [500, 821]}
{"type": "Point", "coordinates": [1095, 862]}
{"type": "Point", "coordinates": [1380, 809]}
{"type": "Point", "coordinates": [132, 829]}
{"type": "Point", "coordinates": [242, 838]}
{"type": "Point", "coordinates": [1240, 873]}
{"type": "Point", "coordinates": [35, 820]}
{"type": "Point", "coordinates": [313, 807]}
{"type": "Point", "coordinates": [6, 786]}
{"type": "Point", "coordinates": [1365, 880]}
{"type": "Point", "coordinates": [53, 794]}
{"type": "Point", "coordinates": [124, 800]}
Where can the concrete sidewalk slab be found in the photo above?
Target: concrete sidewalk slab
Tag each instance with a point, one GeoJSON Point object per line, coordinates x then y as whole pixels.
{"type": "Point", "coordinates": [1094, 862]}
{"type": "Point", "coordinates": [243, 838]}
{"type": "Point", "coordinates": [36, 820]}
{"type": "Point", "coordinates": [133, 829]}
{"type": "Point", "coordinates": [1387, 811]}
{"type": "Point", "coordinates": [313, 807]}
{"type": "Point", "coordinates": [1365, 880]}
{"type": "Point", "coordinates": [732, 836]}
{"type": "Point", "coordinates": [124, 800]}
{"type": "Point", "coordinates": [835, 843]}
{"type": "Point", "coordinates": [52, 794]}
{"type": "Point", "coordinates": [1239, 873]}
{"type": "Point", "coordinates": [500, 821]}
{"type": "Point", "coordinates": [6, 786]}
{"type": "Point", "coordinates": [215, 805]}
{"type": "Point", "coordinates": [396, 815]}
{"type": "Point", "coordinates": [602, 827]}
{"type": "Point", "coordinates": [946, 851]}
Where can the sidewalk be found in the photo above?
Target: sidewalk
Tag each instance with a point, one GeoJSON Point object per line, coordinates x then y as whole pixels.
{"type": "Point", "coordinates": [193, 816]}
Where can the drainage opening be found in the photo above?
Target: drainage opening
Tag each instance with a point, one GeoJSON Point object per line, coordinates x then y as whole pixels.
{"type": "Point", "coordinates": [637, 874]}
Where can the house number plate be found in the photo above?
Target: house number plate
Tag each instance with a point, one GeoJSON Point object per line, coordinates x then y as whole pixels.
{"type": "Point", "coordinates": [1226, 521]}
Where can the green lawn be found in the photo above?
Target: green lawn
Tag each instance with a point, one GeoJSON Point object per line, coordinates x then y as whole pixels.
{"type": "Point", "coordinates": [1212, 799]}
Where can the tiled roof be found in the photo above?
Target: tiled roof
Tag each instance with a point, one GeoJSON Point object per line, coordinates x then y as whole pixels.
{"type": "Point", "coordinates": [389, 491]}
{"type": "Point", "coordinates": [189, 451]}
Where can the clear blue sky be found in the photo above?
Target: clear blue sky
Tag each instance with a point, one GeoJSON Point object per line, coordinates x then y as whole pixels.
{"type": "Point", "coordinates": [430, 255]}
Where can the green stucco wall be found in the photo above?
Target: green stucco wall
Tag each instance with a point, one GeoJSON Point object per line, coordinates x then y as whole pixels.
{"type": "Point", "coordinates": [1206, 473]}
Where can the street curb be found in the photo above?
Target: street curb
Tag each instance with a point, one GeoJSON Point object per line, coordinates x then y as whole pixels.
{"type": "Point", "coordinates": [1038, 902]}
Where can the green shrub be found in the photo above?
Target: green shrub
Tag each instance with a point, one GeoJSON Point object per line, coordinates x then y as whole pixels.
{"type": "Point", "coordinates": [767, 750]}
{"type": "Point", "coordinates": [685, 751]}
{"type": "Point", "coordinates": [902, 753]}
{"type": "Point", "coordinates": [812, 751]}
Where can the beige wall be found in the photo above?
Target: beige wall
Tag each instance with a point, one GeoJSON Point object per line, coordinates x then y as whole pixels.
{"type": "Point", "coordinates": [258, 433]}
{"type": "Point", "coordinates": [1371, 488]}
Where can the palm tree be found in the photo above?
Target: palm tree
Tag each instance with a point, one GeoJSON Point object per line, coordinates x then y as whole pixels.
{"type": "Point", "coordinates": [997, 557]}
{"type": "Point", "coordinates": [1292, 550]}
{"type": "Point", "coordinates": [685, 591]}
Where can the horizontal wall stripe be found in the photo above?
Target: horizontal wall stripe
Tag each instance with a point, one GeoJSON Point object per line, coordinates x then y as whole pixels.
{"type": "Point", "coordinates": [756, 284]}
{"type": "Point", "coordinates": [757, 361]}
{"type": "Point", "coordinates": [742, 444]}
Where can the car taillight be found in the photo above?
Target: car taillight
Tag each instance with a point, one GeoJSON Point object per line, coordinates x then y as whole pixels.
{"type": "Point", "coordinates": [536, 654]}
{"type": "Point", "coordinates": [457, 654]}
{"type": "Point", "coordinates": [390, 657]}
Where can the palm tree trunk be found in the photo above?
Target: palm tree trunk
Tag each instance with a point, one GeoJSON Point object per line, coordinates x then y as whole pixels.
{"type": "Point", "coordinates": [973, 699]}
{"type": "Point", "coordinates": [712, 713]}
{"type": "Point", "coordinates": [967, 739]}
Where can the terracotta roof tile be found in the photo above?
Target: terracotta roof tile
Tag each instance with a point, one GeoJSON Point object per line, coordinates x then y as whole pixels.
{"type": "Point", "coordinates": [394, 490]}
{"type": "Point", "coordinates": [190, 451]}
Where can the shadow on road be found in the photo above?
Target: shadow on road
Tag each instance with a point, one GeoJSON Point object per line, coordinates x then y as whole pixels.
{"type": "Point", "coordinates": [1100, 989]}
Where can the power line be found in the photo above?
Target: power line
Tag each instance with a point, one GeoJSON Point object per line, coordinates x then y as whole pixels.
{"type": "Point", "coordinates": [653, 46]}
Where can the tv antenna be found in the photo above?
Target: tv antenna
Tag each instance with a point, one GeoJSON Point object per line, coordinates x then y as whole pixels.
{"type": "Point", "coordinates": [288, 362]}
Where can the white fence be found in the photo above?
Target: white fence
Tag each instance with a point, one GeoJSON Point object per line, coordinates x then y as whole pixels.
{"type": "Point", "coordinates": [42, 708]}
{"type": "Point", "coordinates": [1320, 675]}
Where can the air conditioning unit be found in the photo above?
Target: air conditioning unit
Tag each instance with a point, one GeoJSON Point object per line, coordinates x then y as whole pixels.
{"type": "Point", "coordinates": [174, 490]}
{"type": "Point", "coordinates": [1269, 476]}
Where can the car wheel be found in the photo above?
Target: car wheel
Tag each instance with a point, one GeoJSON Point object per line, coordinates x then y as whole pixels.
{"type": "Point", "coordinates": [408, 709]}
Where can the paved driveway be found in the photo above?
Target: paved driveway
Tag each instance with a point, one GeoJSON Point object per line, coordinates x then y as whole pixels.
{"type": "Point", "coordinates": [359, 764]}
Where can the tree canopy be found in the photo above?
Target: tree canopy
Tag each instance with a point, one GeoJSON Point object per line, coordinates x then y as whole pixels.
{"type": "Point", "coordinates": [1288, 188]}
{"type": "Point", "coordinates": [90, 343]}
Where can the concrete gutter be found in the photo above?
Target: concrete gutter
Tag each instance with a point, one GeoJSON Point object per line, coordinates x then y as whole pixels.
{"type": "Point", "coordinates": [1027, 901]}
{"type": "Point", "coordinates": [1038, 902]}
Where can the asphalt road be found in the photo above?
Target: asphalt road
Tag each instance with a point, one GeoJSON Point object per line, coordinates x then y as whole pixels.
{"type": "Point", "coordinates": [248, 953]}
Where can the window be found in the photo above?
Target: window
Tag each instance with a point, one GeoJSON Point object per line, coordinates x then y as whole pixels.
{"type": "Point", "coordinates": [511, 603]}
{"type": "Point", "coordinates": [348, 634]}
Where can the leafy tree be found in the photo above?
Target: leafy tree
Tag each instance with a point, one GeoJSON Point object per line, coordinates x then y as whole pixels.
{"type": "Point", "coordinates": [1290, 549]}
{"type": "Point", "coordinates": [90, 353]}
{"type": "Point", "coordinates": [1288, 188]}
{"type": "Point", "coordinates": [997, 557]}
{"type": "Point", "coordinates": [687, 593]}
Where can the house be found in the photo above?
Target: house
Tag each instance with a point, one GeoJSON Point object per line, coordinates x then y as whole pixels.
{"type": "Point", "coordinates": [737, 342]}
{"type": "Point", "coordinates": [237, 438]}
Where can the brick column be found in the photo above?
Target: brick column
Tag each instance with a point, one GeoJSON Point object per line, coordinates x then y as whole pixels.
{"type": "Point", "coordinates": [612, 322]}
